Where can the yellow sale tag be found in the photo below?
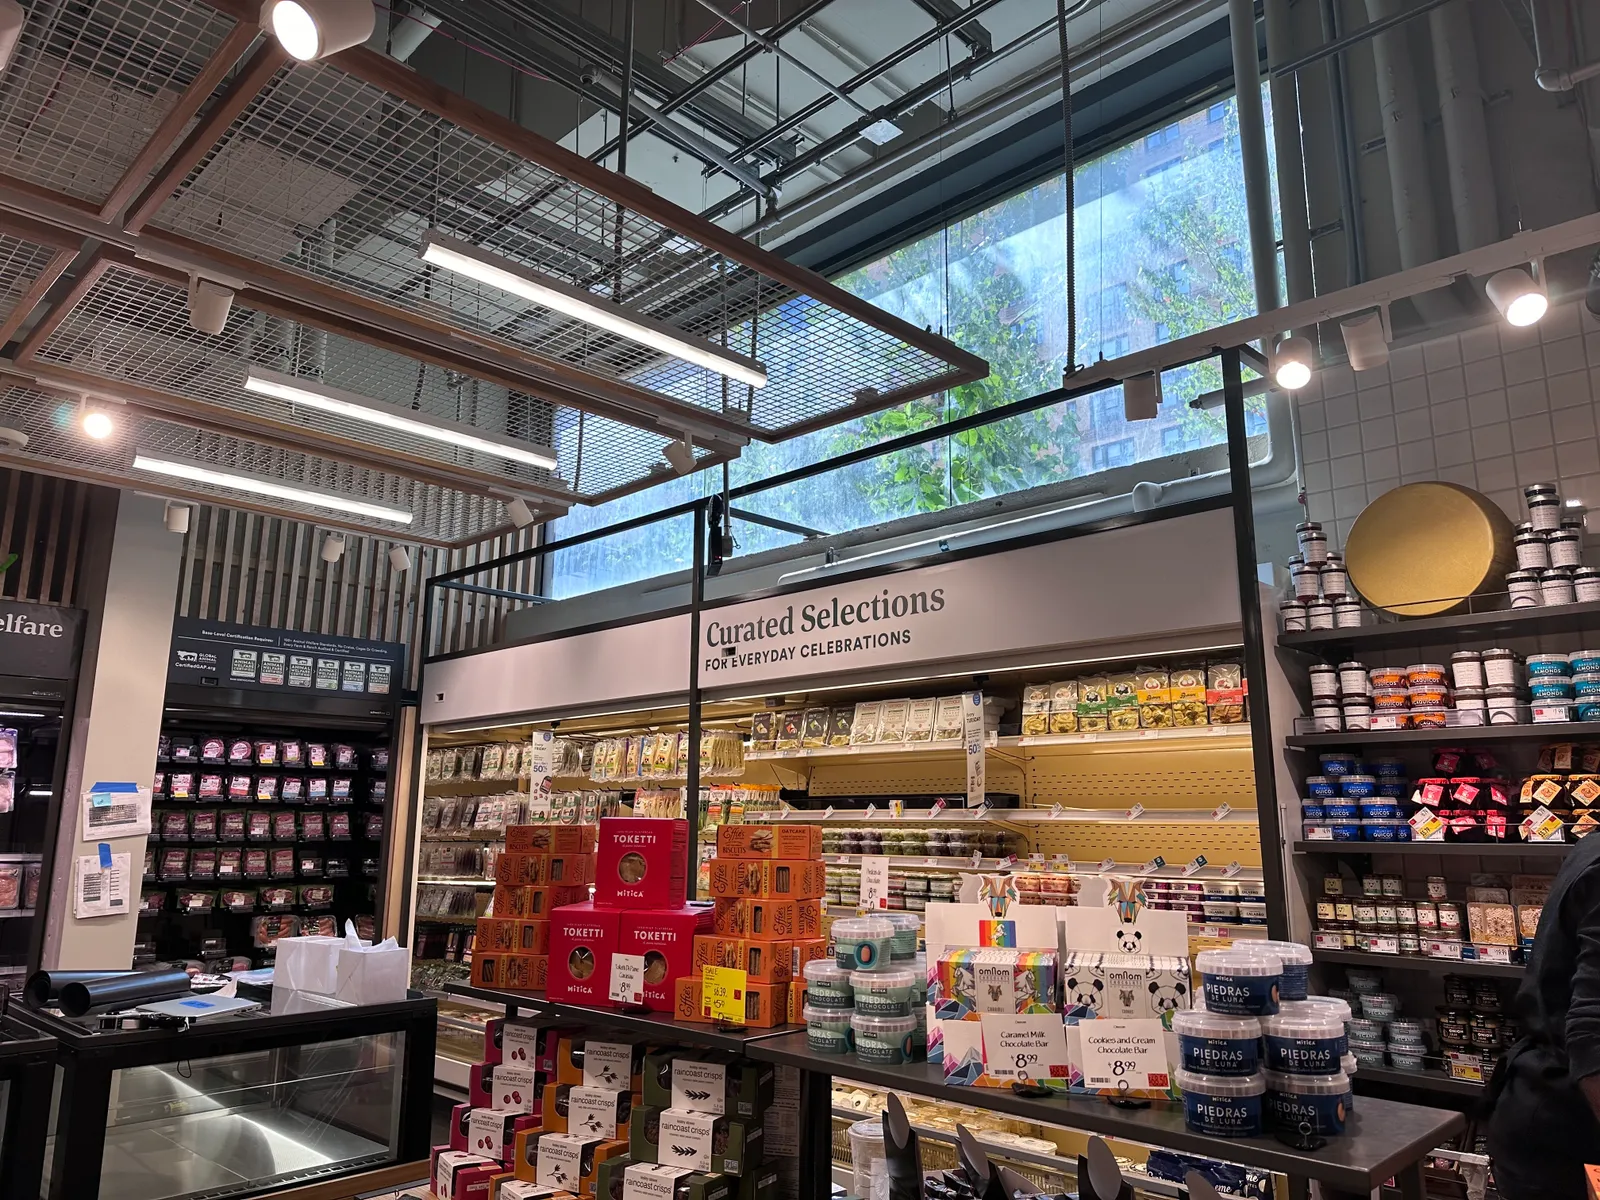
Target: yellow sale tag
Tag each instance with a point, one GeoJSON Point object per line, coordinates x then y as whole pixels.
{"type": "Point", "coordinates": [722, 993]}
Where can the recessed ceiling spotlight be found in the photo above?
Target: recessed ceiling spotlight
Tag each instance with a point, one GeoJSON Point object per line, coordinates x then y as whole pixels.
{"type": "Point", "coordinates": [679, 455]}
{"type": "Point", "coordinates": [1292, 363]}
{"type": "Point", "coordinates": [312, 29]}
{"type": "Point", "coordinates": [1519, 296]}
{"type": "Point", "coordinates": [1366, 343]}
{"type": "Point", "coordinates": [97, 423]}
{"type": "Point", "coordinates": [1141, 396]}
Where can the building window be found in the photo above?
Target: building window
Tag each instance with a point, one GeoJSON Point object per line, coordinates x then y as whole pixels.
{"type": "Point", "coordinates": [1113, 454]}
{"type": "Point", "coordinates": [1173, 439]}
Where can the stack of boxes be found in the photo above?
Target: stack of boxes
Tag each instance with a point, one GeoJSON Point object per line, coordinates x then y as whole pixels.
{"type": "Point", "coordinates": [767, 882]}
{"type": "Point", "coordinates": [503, 1108]}
{"type": "Point", "coordinates": [543, 868]}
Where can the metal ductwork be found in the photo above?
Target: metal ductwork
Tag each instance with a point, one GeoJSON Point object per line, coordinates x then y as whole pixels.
{"type": "Point", "coordinates": [1466, 133]}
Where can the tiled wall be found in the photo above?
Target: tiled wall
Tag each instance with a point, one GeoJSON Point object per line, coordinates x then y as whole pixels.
{"type": "Point", "coordinates": [1494, 408]}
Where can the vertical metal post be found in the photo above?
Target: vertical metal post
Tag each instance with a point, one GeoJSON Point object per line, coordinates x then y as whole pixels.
{"type": "Point", "coordinates": [418, 774]}
{"type": "Point", "coordinates": [1355, 246]}
{"type": "Point", "coordinates": [1255, 655]}
{"type": "Point", "coordinates": [627, 86]}
{"type": "Point", "coordinates": [1253, 151]}
{"type": "Point", "coordinates": [691, 791]}
{"type": "Point", "coordinates": [816, 1135]}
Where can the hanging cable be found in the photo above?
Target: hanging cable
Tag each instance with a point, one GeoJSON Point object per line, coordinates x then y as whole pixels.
{"type": "Point", "coordinates": [1071, 192]}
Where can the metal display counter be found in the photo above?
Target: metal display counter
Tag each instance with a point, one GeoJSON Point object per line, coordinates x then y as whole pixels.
{"type": "Point", "coordinates": [299, 1091]}
{"type": "Point", "coordinates": [27, 1073]}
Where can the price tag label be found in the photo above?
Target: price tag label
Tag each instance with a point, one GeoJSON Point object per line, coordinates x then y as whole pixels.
{"type": "Point", "coordinates": [1426, 826]}
{"type": "Point", "coordinates": [827, 814]}
{"type": "Point", "coordinates": [938, 807]}
{"type": "Point", "coordinates": [872, 811]}
{"type": "Point", "coordinates": [1384, 943]}
{"type": "Point", "coordinates": [1154, 865]}
{"type": "Point", "coordinates": [1124, 1055]}
{"type": "Point", "coordinates": [1319, 833]}
{"type": "Point", "coordinates": [1036, 860]}
{"type": "Point", "coordinates": [874, 882]}
{"type": "Point", "coordinates": [1024, 1048]}
{"type": "Point", "coordinates": [1494, 954]}
{"type": "Point", "coordinates": [722, 994]}
{"type": "Point", "coordinates": [897, 809]}
{"type": "Point", "coordinates": [1542, 825]}
{"type": "Point", "coordinates": [1221, 811]}
{"type": "Point", "coordinates": [977, 859]}
{"type": "Point", "coordinates": [1195, 864]}
{"type": "Point", "coordinates": [785, 808]}
{"type": "Point", "coordinates": [1061, 860]}
{"type": "Point", "coordinates": [627, 979]}
{"type": "Point", "coordinates": [1106, 866]}
{"type": "Point", "coordinates": [1135, 812]}
{"type": "Point", "coordinates": [1056, 810]}
{"type": "Point", "coordinates": [1232, 869]}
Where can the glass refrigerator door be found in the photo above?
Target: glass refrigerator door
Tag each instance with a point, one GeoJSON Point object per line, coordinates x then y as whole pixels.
{"type": "Point", "coordinates": [30, 741]}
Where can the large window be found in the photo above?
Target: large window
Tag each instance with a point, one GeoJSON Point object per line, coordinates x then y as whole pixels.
{"type": "Point", "coordinates": [1162, 245]}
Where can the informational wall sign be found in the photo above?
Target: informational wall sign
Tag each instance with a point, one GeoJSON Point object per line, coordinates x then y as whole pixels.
{"type": "Point", "coordinates": [39, 641]}
{"type": "Point", "coordinates": [281, 660]}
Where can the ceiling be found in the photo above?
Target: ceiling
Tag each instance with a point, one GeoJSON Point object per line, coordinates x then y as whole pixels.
{"type": "Point", "coordinates": [146, 142]}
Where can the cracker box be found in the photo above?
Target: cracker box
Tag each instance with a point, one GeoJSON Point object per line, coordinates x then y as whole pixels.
{"type": "Point", "coordinates": [490, 1132]}
{"type": "Point", "coordinates": [716, 1083]}
{"type": "Point", "coordinates": [570, 1161]}
{"type": "Point", "coordinates": [615, 1062]}
{"type": "Point", "coordinates": [763, 962]}
{"type": "Point", "coordinates": [797, 1000]}
{"type": "Point", "coordinates": [806, 950]}
{"type": "Point", "coordinates": [777, 879]}
{"type": "Point", "coordinates": [686, 1185]}
{"type": "Point", "coordinates": [609, 1183]}
{"type": "Point", "coordinates": [514, 972]}
{"type": "Point", "coordinates": [766, 1005]}
{"type": "Point", "coordinates": [509, 1187]}
{"type": "Point", "coordinates": [480, 1085]}
{"type": "Point", "coordinates": [1125, 986]}
{"type": "Point", "coordinates": [665, 939]}
{"type": "Point", "coordinates": [532, 870]}
{"type": "Point", "coordinates": [642, 862]}
{"type": "Point", "coordinates": [536, 902]}
{"type": "Point", "coordinates": [583, 937]}
{"type": "Point", "coordinates": [768, 920]}
{"type": "Point", "coordinates": [769, 841]}
{"type": "Point", "coordinates": [512, 935]}
{"type": "Point", "coordinates": [550, 839]}
{"type": "Point", "coordinates": [590, 1111]}
{"type": "Point", "coordinates": [516, 1089]}
{"type": "Point", "coordinates": [973, 982]}
{"type": "Point", "coordinates": [500, 1032]}
{"type": "Point", "coordinates": [697, 1141]}
{"type": "Point", "coordinates": [458, 1175]}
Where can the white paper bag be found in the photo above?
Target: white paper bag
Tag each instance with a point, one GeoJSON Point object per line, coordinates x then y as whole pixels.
{"type": "Point", "coordinates": [371, 974]}
{"type": "Point", "coordinates": [307, 964]}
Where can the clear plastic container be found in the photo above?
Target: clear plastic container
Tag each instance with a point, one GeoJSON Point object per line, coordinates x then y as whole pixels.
{"type": "Point", "coordinates": [1240, 983]}
{"type": "Point", "coordinates": [866, 1148]}
{"type": "Point", "coordinates": [1406, 1058]}
{"type": "Point", "coordinates": [1380, 1006]}
{"type": "Point", "coordinates": [1214, 1044]}
{"type": "Point", "coordinates": [884, 1040]}
{"type": "Point", "coordinates": [1548, 664]}
{"type": "Point", "coordinates": [907, 932]}
{"type": "Point", "coordinates": [1336, 1004]}
{"type": "Point", "coordinates": [1313, 1104]}
{"type": "Point", "coordinates": [1407, 1032]}
{"type": "Point", "coordinates": [1296, 960]}
{"type": "Point", "coordinates": [1368, 1054]}
{"type": "Point", "coordinates": [1304, 1041]}
{"type": "Point", "coordinates": [887, 993]}
{"type": "Point", "coordinates": [863, 943]}
{"type": "Point", "coordinates": [828, 1030]}
{"type": "Point", "coordinates": [1222, 1105]}
{"type": "Point", "coordinates": [828, 986]}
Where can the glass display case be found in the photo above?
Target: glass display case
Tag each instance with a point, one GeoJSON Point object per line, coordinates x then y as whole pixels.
{"type": "Point", "coordinates": [240, 1105]}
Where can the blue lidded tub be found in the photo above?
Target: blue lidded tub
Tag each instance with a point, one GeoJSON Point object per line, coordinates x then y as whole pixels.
{"type": "Point", "coordinates": [1296, 960]}
{"type": "Point", "coordinates": [1384, 830]}
{"type": "Point", "coordinates": [1550, 687]}
{"type": "Point", "coordinates": [1346, 831]}
{"type": "Point", "coordinates": [1380, 808]}
{"type": "Point", "coordinates": [1304, 1040]}
{"type": "Point", "coordinates": [1389, 767]}
{"type": "Point", "coordinates": [1240, 983]}
{"type": "Point", "coordinates": [1394, 789]}
{"type": "Point", "coordinates": [1213, 1044]}
{"type": "Point", "coordinates": [1321, 787]}
{"type": "Point", "coordinates": [1314, 1104]}
{"type": "Point", "coordinates": [1222, 1105]}
{"type": "Point", "coordinates": [1342, 809]}
{"type": "Point", "coordinates": [1337, 764]}
{"type": "Point", "coordinates": [1312, 810]}
{"type": "Point", "coordinates": [1585, 660]}
{"type": "Point", "coordinates": [1357, 787]}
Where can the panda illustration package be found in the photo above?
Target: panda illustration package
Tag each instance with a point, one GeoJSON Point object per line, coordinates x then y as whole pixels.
{"type": "Point", "coordinates": [1123, 986]}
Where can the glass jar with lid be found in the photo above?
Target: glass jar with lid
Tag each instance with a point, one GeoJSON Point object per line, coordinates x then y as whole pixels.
{"type": "Point", "coordinates": [1533, 552]}
{"type": "Point", "coordinates": [1544, 506]}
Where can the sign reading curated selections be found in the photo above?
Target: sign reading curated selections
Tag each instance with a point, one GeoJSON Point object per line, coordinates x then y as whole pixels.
{"type": "Point", "coordinates": [39, 641]}
{"type": "Point", "coordinates": [244, 656]}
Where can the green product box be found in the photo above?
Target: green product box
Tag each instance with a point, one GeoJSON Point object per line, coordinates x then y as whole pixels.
{"type": "Point", "coordinates": [608, 1179]}
{"type": "Point", "coordinates": [761, 1183]}
{"type": "Point", "coordinates": [696, 1185]}
{"type": "Point", "coordinates": [695, 1140]}
{"type": "Point", "coordinates": [748, 1087]}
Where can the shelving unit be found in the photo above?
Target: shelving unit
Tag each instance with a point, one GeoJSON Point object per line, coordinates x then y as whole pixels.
{"type": "Point", "coordinates": [1448, 629]}
{"type": "Point", "coordinates": [1423, 1081]}
{"type": "Point", "coordinates": [1539, 850]}
{"type": "Point", "coordinates": [1405, 962]}
{"type": "Point", "coordinates": [1550, 731]}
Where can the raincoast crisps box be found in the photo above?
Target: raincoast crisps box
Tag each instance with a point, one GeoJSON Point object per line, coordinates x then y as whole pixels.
{"type": "Point", "coordinates": [665, 940]}
{"type": "Point", "coordinates": [642, 862]}
{"type": "Point", "coordinates": [612, 1062]}
{"type": "Point", "coordinates": [778, 879]}
{"type": "Point", "coordinates": [590, 1111]}
{"type": "Point", "coordinates": [769, 841]}
{"type": "Point", "coordinates": [583, 937]}
{"type": "Point", "coordinates": [699, 1141]}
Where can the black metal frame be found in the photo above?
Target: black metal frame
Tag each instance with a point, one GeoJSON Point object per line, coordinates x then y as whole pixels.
{"type": "Point", "coordinates": [28, 1065]}
{"type": "Point", "coordinates": [89, 1059]}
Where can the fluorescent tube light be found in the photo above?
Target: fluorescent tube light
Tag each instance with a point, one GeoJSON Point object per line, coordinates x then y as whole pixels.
{"type": "Point", "coordinates": [311, 394]}
{"type": "Point", "coordinates": [498, 271]}
{"type": "Point", "coordinates": [237, 480]}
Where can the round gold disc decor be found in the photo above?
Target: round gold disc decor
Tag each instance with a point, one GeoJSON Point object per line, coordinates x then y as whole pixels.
{"type": "Point", "coordinates": [1422, 549]}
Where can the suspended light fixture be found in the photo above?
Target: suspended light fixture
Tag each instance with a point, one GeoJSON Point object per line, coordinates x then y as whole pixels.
{"type": "Point", "coordinates": [311, 394]}
{"type": "Point", "coordinates": [96, 423]}
{"type": "Point", "coordinates": [1520, 297]}
{"type": "Point", "coordinates": [519, 512]}
{"type": "Point", "coordinates": [209, 305]}
{"type": "Point", "coordinates": [332, 548]}
{"type": "Point", "coordinates": [260, 486]}
{"type": "Point", "coordinates": [498, 271]}
{"type": "Point", "coordinates": [1141, 396]}
{"type": "Point", "coordinates": [679, 455]}
{"type": "Point", "coordinates": [176, 517]}
{"type": "Point", "coordinates": [1366, 342]}
{"type": "Point", "coordinates": [399, 559]}
{"type": "Point", "coordinates": [313, 29]}
{"type": "Point", "coordinates": [1292, 363]}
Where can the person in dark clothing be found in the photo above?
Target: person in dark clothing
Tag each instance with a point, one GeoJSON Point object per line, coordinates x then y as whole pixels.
{"type": "Point", "coordinates": [1545, 1121]}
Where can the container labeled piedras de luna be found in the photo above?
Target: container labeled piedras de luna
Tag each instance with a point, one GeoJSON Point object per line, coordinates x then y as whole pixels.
{"type": "Point", "coordinates": [1238, 983]}
{"type": "Point", "coordinates": [1222, 1105]}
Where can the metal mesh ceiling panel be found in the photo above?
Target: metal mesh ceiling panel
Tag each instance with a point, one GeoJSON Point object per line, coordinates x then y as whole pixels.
{"type": "Point", "coordinates": [50, 421]}
{"type": "Point", "coordinates": [340, 179]}
{"type": "Point", "coordinates": [91, 80]}
{"type": "Point", "coordinates": [20, 264]}
{"type": "Point", "coordinates": [132, 328]}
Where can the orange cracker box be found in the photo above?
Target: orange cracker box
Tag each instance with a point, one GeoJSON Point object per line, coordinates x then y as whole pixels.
{"type": "Point", "coordinates": [769, 841]}
{"type": "Point", "coordinates": [766, 1005]}
{"type": "Point", "coordinates": [763, 962]}
{"type": "Point", "coordinates": [806, 950]}
{"type": "Point", "coordinates": [514, 972]}
{"type": "Point", "coordinates": [550, 839]}
{"type": "Point", "coordinates": [535, 902]}
{"type": "Point", "coordinates": [531, 870]}
{"type": "Point", "coordinates": [768, 920]}
{"type": "Point", "coordinates": [512, 935]}
{"type": "Point", "coordinates": [775, 879]}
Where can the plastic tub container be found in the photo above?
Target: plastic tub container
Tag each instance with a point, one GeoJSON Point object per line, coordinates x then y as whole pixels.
{"type": "Point", "coordinates": [1213, 1044]}
{"type": "Point", "coordinates": [1321, 787]}
{"type": "Point", "coordinates": [1341, 831]}
{"type": "Point", "coordinates": [1380, 808]}
{"type": "Point", "coordinates": [1364, 982]}
{"type": "Point", "coordinates": [1407, 1032]}
{"type": "Point", "coordinates": [828, 986]}
{"type": "Point", "coordinates": [1304, 1042]}
{"type": "Point", "coordinates": [887, 993]}
{"type": "Point", "coordinates": [1338, 764]}
{"type": "Point", "coordinates": [1357, 787]}
{"type": "Point", "coordinates": [1385, 830]}
{"type": "Point", "coordinates": [1364, 1030]}
{"type": "Point", "coordinates": [828, 1030]}
{"type": "Point", "coordinates": [1585, 660]}
{"type": "Point", "coordinates": [907, 931]}
{"type": "Point", "coordinates": [1312, 810]}
{"type": "Point", "coordinates": [1239, 983]}
{"type": "Point", "coordinates": [885, 1040]}
{"type": "Point", "coordinates": [1334, 1004]}
{"type": "Point", "coordinates": [1312, 1104]}
{"type": "Point", "coordinates": [1342, 809]}
{"type": "Point", "coordinates": [1252, 912]}
{"type": "Point", "coordinates": [1368, 1054]}
{"type": "Point", "coordinates": [1380, 1006]}
{"type": "Point", "coordinates": [866, 1148]}
{"type": "Point", "coordinates": [1406, 1058]}
{"type": "Point", "coordinates": [1222, 1105]}
{"type": "Point", "coordinates": [1296, 961]}
{"type": "Point", "coordinates": [1540, 665]}
{"type": "Point", "coordinates": [863, 943]}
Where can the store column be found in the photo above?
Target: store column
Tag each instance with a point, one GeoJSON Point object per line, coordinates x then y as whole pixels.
{"type": "Point", "coordinates": [131, 566]}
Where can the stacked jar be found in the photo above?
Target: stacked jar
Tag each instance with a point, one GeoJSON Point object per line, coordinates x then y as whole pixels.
{"type": "Point", "coordinates": [1350, 801]}
{"type": "Point", "coordinates": [1473, 1026]}
{"type": "Point", "coordinates": [1549, 547]}
{"type": "Point", "coordinates": [870, 997]}
{"type": "Point", "coordinates": [1320, 586]}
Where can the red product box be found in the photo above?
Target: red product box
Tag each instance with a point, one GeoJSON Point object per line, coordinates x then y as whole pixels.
{"type": "Point", "coordinates": [459, 1175]}
{"type": "Point", "coordinates": [665, 937]}
{"type": "Point", "coordinates": [583, 937]}
{"type": "Point", "coordinates": [503, 1034]}
{"type": "Point", "coordinates": [550, 839]}
{"type": "Point", "coordinates": [480, 1085]}
{"type": "Point", "coordinates": [643, 862]}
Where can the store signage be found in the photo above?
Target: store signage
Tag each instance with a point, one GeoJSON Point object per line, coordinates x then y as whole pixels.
{"type": "Point", "coordinates": [218, 654]}
{"type": "Point", "coordinates": [1024, 1049]}
{"type": "Point", "coordinates": [39, 641]}
{"type": "Point", "coordinates": [874, 893]}
{"type": "Point", "coordinates": [1124, 1055]}
{"type": "Point", "coordinates": [972, 740]}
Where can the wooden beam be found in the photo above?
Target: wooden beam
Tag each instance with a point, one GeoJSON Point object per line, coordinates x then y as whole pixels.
{"type": "Point", "coordinates": [254, 75]}
{"type": "Point", "coordinates": [171, 128]}
{"type": "Point", "coordinates": [35, 293]}
{"type": "Point", "coordinates": [58, 312]}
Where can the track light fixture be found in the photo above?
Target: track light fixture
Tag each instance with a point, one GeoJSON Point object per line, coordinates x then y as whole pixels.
{"type": "Point", "coordinates": [399, 559]}
{"type": "Point", "coordinates": [1293, 361]}
{"type": "Point", "coordinates": [96, 423]}
{"type": "Point", "coordinates": [679, 455]}
{"type": "Point", "coordinates": [1141, 396]}
{"type": "Point", "coordinates": [1366, 340]}
{"type": "Point", "coordinates": [1519, 294]}
{"type": "Point", "coordinates": [332, 548]}
{"type": "Point", "coordinates": [313, 29]}
{"type": "Point", "coordinates": [209, 305]}
{"type": "Point", "coordinates": [12, 18]}
{"type": "Point", "coordinates": [177, 517]}
{"type": "Point", "coordinates": [519, 512]}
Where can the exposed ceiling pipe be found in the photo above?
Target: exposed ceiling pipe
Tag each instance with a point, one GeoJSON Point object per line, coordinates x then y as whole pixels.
{"type": "Point", "coordinates": [1410, 189]}
{"type": "Point", "coordinates": [1253, 151]}
{"type": "Point", "coordinates": [1292, 203]}
{"type": "Point", "coordinates": [1339, 124]}
{"type": "Point", "coordinates": [1545, 39]}
{"type": "Point", "coordinates": [411, 32]}
{"type": "Point", "coordinates": [1466, 133]}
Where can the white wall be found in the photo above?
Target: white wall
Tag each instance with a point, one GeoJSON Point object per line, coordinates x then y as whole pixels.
{"type": "Point", "coordinates": [1494, 408]}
